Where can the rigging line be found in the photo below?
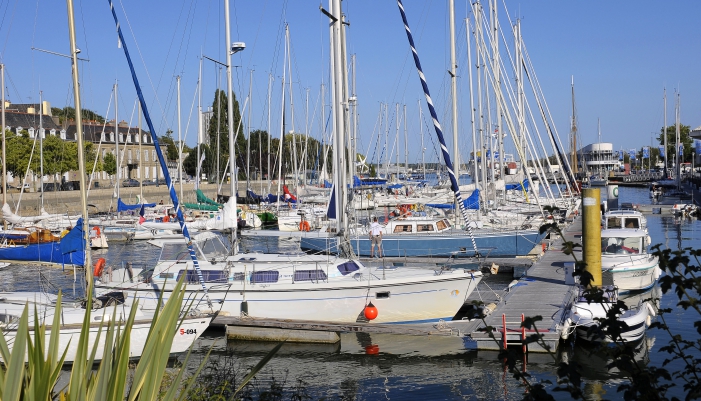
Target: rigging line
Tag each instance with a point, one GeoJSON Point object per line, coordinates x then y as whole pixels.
{"type": "Point", "coordinates": [143, 62]}
{"type": "Point", "coordinates": [7, 39]}
{"type": "Point", "coordinates": [99, 145]}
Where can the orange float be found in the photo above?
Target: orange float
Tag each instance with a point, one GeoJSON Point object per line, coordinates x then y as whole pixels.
{"type": "Point", "coordinates": [370, 311]}
{"type": "Point", "coordinates": [99, 267]}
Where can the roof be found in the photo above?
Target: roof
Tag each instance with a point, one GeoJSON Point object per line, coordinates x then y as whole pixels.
{"type": "Point", "coordinates": [93, 132]}
{"type": "Point", "coordinates": [14, 119]}
{"type": "Point", "coordinates": [623, 233]}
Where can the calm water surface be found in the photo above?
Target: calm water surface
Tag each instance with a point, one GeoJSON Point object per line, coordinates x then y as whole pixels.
{"type": "Point", "coordinates": [384, 367]}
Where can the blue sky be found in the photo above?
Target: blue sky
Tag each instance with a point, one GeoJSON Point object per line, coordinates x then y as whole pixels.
{"type": "Point", "coordinates": [622, 55]}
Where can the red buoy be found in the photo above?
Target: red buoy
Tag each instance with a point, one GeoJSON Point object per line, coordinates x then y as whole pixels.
{"type": "Point", "coordinates": [370, 311]}
{"type": "Point", "coordinates": [373, 349]}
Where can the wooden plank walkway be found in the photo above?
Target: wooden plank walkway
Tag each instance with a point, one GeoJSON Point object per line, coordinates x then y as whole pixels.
{"type": "Point", "coordinates": [541, 292]}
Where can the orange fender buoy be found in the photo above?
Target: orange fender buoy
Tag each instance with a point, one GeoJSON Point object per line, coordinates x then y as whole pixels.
{"type": "Point", "coordinates": [99, 267]}
{"type": "Point", "coordinates": [370, 311]}
{"type": "Point", "coordinates": [373, 349]}
{"type": "Point", "coordinates": [304, 226]}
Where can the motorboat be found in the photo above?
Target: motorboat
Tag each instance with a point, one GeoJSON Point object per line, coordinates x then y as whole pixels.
{"type": "Point", "coordinates": [583, 316]}
{"type": "Point", "coordinates": [626, 260]}
{"type": "Point", "coordinates": [624, 219]}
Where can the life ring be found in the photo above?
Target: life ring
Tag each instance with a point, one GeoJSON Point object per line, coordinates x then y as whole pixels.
{"type": "Point", "coordinates": [304, 226]}
{"type": "Point", "coordinates": [99, 267]}
{"type": "Point", "coordinates": [97, 231]}
{"type": "Point", "coordinates": [166, 219]}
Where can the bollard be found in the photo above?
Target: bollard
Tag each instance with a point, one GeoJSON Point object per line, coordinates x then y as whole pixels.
{"type": "Point", "coordinates": [591, 233]}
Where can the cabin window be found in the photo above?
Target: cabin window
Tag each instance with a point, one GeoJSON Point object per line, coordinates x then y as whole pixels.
{"type": "Point", "coordinates": [209, 276]}
{"type": "Point", "coordinates": [166, 275]}
{"type": "Point", "coordinates": [238, 277]}
{"type": "Point", "coordinates": [632, 223]}
{"type": "Point", "coordinates": [422, 228]}
{"type": "Point", "coordinates": [382, 295]}
{"type": "Point", "coordinates": [442, 224]}
{"type": "Point", "coordinates": [348, 267]}
{"type": "Point", "coordinates": [614, 222]}
{"type": "Point", "coordinates": [620, 245]}
{"type": "Point", "coordinates": [402, 228]}
{"type": "Point", "coordinates": [265, 276]}
{"type": "Point", "coordinates": [310, 275]}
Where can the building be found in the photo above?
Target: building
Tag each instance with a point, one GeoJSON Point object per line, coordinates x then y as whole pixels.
{"type": "Point", "coordinates": [137, 151]}
{"type": "Point", "coordinates": [599, 157]}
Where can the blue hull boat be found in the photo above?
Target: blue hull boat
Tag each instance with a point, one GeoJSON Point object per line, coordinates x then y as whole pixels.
{"type": "Point", "coordinates": [495, 243]}
{"type": "Point", "coordinates": [67, 251]}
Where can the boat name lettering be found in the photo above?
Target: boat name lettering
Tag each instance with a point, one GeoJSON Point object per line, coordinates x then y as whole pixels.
{"type": "Point", "coordinates": [188, 331]}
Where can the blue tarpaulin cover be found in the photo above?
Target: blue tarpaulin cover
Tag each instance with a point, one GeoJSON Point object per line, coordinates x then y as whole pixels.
{"type": "Point", "coordinates": [123, 207]}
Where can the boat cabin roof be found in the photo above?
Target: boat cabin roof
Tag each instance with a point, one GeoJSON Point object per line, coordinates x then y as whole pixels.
{"type": "Point", "coordinates": [623, 233]}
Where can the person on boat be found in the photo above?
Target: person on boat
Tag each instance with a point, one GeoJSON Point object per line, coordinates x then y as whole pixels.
{"type": "Point", "coordinates": [304, 225]}
{"type": "Point", "coordinates": [375, 238]}
{"type": "Point", "coordinates": [288, 197]}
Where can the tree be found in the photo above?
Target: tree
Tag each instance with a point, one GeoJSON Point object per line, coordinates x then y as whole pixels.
{"type": "Point", "coordinates": [685, 139]}
{"type": "Point", "coordinates": [68, 113]}
{"type": "Point", "coordinates": [190, 162]}
{"type": "Point", "coordinates": [171, 147]}
{"type": "Point", "coordinates": [218, 131]}
{"type": "Point", "coordinates": [18, 149]}
{"type": "Point", "coordinates": [109, 164]}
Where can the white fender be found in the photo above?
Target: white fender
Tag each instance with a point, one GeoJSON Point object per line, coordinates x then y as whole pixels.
{"type": "Point", "coordinates": [651, 310]}
{"type": "Point", "coordinates": [565, 333]}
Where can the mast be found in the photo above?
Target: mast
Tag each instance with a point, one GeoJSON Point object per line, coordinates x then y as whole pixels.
{"type": "Point", "coordinates": [282, 129]}
{"type": "Point", "coordinates": [678, 158]}
{"type": "Point", "coordinates": [497, 82]}
{"type": "Point", "coordinates": [454, 92]}
{"type": "Point", "coordinates": [406, 147]}
{"type": "Point", "coordinates": [180, 143]}
{"type": "Point", "coordinates": [141, 174]}
{"type": "Point", "coordinates": [292, 108]}
{"type": "Point", "coordinates": [475, 169]}
{"type": "Point", "coordinates": [41, 147]}
{"type": "Point", "coordinates": [573, 139]}
{"type": "Point", "coordinates": [337, 104]}
{"type": "Point", "coordinates": [248, 142]}
{"type": "Point", "coordinates": [79, 137]}
{"type": "Point", "coordinates": [200, 129]}
{"type": "Point", "coordinates": [230, 119]}
{"type": "Point", "coordinates": [4, 150]}
{"type": "Point", "coordinates": [270, 86]}
{"type": "Point", "coordinates": [116, 137]}
{"type": "Point", "coordinates": [423, 148]}
{"type": "Point", "coordinates": [664, 134]}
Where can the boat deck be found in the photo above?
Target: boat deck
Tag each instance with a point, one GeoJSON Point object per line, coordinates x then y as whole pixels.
{"type": "Point", "coordinates": [540, 292]}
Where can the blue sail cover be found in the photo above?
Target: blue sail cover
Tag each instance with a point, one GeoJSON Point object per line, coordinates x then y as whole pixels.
{"type": "Point", "coordinates": [472, 202]}
{"type": "Point", "coordinates": [357, 181]}
{"type": "Point", "coordinates": [123, 207]}
{"type": "Point", "coordinates": [68, 251]}
{"type": "Point", "coordinates": [331, 211]}
{"type": "Point", "coordinates": [519, 186]}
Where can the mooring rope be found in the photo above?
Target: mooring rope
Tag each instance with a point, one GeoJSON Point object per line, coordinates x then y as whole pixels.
{"type": "Point", "coordinates": [439, 132]}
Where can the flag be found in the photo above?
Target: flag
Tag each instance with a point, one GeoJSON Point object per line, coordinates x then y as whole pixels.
{"type": "Point", "coordinates": [662, 153]}
{"type": "Point", "coordinates": [631, 153]}
{"type": "Point", "coordinates": [681, 149]}
{"type": "Point", "coordinates": [620, 154]}
{"type": "Point", "coordinates": [646, 152]}
{"type": "Point", "coordinates": [141, 214]}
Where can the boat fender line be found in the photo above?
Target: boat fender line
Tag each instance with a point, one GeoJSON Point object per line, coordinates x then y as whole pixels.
{"type": "Point", "coordinates": [565, 333]}
{"type": "Point", "coordinates": [651, 310]}
{"type": "Point", "coordinates": [99, 267]}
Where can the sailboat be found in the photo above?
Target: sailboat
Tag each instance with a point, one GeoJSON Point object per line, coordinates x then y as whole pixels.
{"type": "Point", "coordinates": [300, 286]}
{"type": "Point", "coordinates": [72, 318]}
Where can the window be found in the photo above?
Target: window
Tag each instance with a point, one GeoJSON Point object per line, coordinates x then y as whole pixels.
{"type": "Point", "coordinates": [104, 152]}
{"type": "Point", "coordinates": [620, 245]}
{"type": "Point", "coordinates": [31, 132]}
{"type": "Point", "coordinates": [145, 155]}
{"type": "Point", "coordinates": [52, 132]}
{"type": "Point", "coordinates": [63, 134]}
{"type": "Point", "coordinates": [111, 136]}
{"type": "Point", "coordinates": [102, 136]}
{"type": "Point", "coordinates": [128, 138]}
{"type": "Point", "coordinates": [632, 223]}
{"type": "Point", "coordinates": [209, 276]}
{"type": "Point", "coordinates": [42, 132]}
{"type": "Point", "coordinates": [310, 275]}
{"type": "Point", "coordinates": [613, 222]}
{"type": "Point", "coordinates": [153, 154]}
{"type": "Point", "coordinates": [121, 137]}
{"type": "Point", "coordinates": [136, 138]}
{"type": "Point", "coordinates": [422, 228]}
{"type": "Point", "coordinates": [145, 138]}
{"type": "Point", "coordinates": [402, 228]}
{"type": "Point", "coordinates": [138, 155]}
{"type": "Point", "coordinates": [348, 267]}
{"type": "Point", "coordinates": [442, 224]}
{"type": "Point", "coordinates": [265, 276]}
{"type": "Point", "coordinates": [146, 173]}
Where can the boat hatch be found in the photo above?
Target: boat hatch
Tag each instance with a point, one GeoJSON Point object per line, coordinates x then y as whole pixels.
{"type": "Point", "coordinates": [382, 295]}
{"type": "Point", "coordinates": [621, 245]}
{"type": "Point", "coordinates": [623, 222]}
{"type": "Point", "coordinates": [310, 275]}
{"type": "Point", "coordinates": [442, 224]}
{"type": "Point", "coordinates": [348, 267]}
{"type": "Point", "coordinates": [265, 276]}
{"type": "Point", "coordinates": [209, 276]}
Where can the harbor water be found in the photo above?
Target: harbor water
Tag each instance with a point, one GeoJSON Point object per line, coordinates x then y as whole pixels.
{"type": "Point", "coordinates": [382, 367]}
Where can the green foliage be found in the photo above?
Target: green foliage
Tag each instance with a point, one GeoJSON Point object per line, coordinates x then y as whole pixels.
{"type": "Point", "coordinates": [171, 147]}
{"type": "Point", "coordinates": [688, 142]}
{"type": "Point", "coordinates": [109, 164]}
{"type": "Point", "coordinates": [218, 130]}
{"type": "Point", "coordinates": [36, 379]}
{"type": "Point", "coordinates": [69, 113]}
